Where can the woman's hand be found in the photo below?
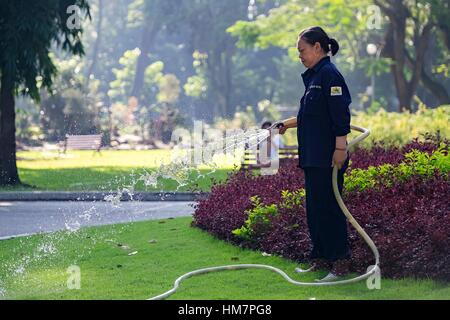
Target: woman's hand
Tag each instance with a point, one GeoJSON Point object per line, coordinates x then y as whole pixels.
{"type": "Point", "coordinates": [278, 126]}
{"type": "Point", "coordinates": [339, 158]}
{"type": "Point", "coordinates": [282, 130]}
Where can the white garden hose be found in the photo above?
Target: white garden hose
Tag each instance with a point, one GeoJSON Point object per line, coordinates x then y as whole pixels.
{"type": "Point", "coordinates": [373, 269]}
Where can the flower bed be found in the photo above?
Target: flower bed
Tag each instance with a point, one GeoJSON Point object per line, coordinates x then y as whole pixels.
{"type": "Point", "coordinates": [401, 200]}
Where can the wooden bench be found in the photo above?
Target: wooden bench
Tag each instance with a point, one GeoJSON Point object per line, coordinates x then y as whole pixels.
{"type": "Point", "coordinates": [82, 142]}
{"type": "Point", "coordinates": [251, 157]}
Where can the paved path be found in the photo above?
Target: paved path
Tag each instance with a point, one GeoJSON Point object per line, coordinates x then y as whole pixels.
{"type": "Point", "coordinates": [25, 218]}
{"type": "Point", "coordinates": [98, 196]}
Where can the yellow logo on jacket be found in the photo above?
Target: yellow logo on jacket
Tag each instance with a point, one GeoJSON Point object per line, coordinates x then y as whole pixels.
{"type": "Point", "coordinates": [336, 91]}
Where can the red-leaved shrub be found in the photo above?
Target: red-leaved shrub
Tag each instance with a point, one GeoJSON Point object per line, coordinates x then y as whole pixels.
{"type": "Point", "coordinates": [223, 210]}
{"type": "Point", "coordinates": [410, 224]}
{"type": "Point", "coordinates": [408, 221]}
{"type": "Point", "coordinates": [378, 155]}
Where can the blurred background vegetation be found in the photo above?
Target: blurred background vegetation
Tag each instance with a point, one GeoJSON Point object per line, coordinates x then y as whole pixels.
{"type": "Point", "coordinates": [152, 65]}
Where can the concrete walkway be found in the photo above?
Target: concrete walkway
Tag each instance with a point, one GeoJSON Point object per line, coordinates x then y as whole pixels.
{"type": "Point", "coordinates": [20, 218]}
{"type": "Point", "coordinates": [98, 196]}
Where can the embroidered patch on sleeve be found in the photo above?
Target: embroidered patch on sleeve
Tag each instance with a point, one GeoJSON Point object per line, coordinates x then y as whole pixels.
{"type": "Point", "coordinates": [336, 91]}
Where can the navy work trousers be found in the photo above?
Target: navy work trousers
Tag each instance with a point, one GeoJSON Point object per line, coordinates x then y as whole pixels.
{"type": "Point", "coordinates": [326, 222]}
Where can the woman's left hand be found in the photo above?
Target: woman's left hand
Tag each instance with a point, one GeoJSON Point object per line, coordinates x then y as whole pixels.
{"type": "Point", "coordinates": [339, 158]}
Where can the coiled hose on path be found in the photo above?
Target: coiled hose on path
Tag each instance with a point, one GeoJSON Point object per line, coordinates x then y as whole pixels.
{"type": "Point", "coordinates": [373, 269]}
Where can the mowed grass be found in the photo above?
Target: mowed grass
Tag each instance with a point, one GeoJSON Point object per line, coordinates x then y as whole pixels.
{"type": "Point", "coordinates": [36, 268]}
{"type": "Point", "coordinates": [108, 171]}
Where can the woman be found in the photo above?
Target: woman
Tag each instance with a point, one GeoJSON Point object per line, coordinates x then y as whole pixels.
{"type": "Point", "coordinates": [322, 123]}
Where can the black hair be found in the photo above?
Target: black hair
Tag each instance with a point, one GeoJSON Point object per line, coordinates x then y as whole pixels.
{"type": "Point", "coordinates": [317, 34]}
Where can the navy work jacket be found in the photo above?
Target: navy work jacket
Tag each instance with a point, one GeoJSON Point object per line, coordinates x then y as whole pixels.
{"type": "Point", "coordinates": [324, 114]}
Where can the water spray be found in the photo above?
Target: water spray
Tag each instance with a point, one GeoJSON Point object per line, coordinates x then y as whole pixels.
{"type": "Point", "coordinates": [372, 270]}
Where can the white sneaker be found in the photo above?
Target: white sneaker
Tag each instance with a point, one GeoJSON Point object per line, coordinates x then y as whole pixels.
{"type": "Point", "coordinates": [330, 277]}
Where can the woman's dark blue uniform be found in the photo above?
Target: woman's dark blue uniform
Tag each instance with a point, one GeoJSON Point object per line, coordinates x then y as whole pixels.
{"type": "Point", "coordinates": [324, 114]}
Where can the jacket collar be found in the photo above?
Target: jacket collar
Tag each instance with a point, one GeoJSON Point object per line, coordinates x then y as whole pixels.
{"type": "Point", "coordinates": [321, 63]}
{"type": "Point", "coordinates": [318, 66]}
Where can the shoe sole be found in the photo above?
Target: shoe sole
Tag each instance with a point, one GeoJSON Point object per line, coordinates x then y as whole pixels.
{"type": "Point", "coordinates": [328, 278]}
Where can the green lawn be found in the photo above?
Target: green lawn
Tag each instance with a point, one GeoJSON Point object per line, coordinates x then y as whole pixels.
{"type": "Point", "coordinates": [35, 268]}
{"type": "Point", "coordinates": [107, 171]}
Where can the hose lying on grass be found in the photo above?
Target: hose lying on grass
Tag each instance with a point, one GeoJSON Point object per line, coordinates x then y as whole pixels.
{"type": "Point", "coordinates": [371, 271]}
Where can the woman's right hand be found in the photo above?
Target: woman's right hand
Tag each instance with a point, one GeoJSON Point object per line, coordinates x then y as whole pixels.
{"type": "Point", "coordinates": [282, 130]}
{"type": "Point", "coordinates": [278, 126]}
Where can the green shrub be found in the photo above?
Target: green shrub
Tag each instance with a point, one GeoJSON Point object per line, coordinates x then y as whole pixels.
{"type": "Point", "coordinates": [416, 162]}
{"type": "Point", "coordinates": [258, 222]}
{"type": "Point", "coordinates": [259, 217]}
{"type": "Point", "coordinates": [398, 128]}
{"type": "Point", "coordinates": [292, 199]}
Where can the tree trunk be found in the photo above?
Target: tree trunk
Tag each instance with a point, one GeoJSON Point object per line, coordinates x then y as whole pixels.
{"type": "Point", "coordinates": [433, 86]}
{"type": "Point", "coordinates": [399, 35]}
{"type": "Point", "coordinates": [97, 42]}
{"type": "Point", "coordinates": [8, 166]}
{"type": "Point", "coordinates": [421, 43]}
{"type": "Point", "coordinates": [148, 38]}
{"type": "Point", "coordinates": [230, 108]}
{"type": "Point", "coordinates": [445, 33]}
{"type": "Point", "coordinates": [213, 74]}
{"type": "Point", "coordinates": [395, 48]}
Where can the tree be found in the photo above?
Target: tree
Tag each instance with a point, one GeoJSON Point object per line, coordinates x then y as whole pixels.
{"type": "Point", "coordinates": [209, 36]}
{"type": "Point", "coordinates": [95, 51]}
{"type": "Point", "coordinates": [28, 30]}
{"type": "Point", "coordinates": [72, 108]}
{"type": "Point", "coordinates": [123, 82]}
{"type": "Point", "coordinates": [345, 20]}
{"type": "Point", "coordinates": [412, 21]}
{"type": "Point", "coordinates": [152, 16]}
{"type": "Point", "coordinates": [204, 22]}
{"type": "Point", "coordinates": [407, 37]}
{"type": "Point", "coordinates": [440, 50]}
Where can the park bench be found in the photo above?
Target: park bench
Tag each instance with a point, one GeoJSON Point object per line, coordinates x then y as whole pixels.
{"type": "Point", "coordinates": [82, 142]}
{"type": "Point", "coordinates": [251, 161]}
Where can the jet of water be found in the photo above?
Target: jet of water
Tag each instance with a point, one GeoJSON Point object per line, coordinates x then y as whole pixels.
{"type": "Point", "coordinates": [183, 167]}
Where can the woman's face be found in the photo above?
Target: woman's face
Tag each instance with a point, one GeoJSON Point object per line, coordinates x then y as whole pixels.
{"type": "Point", "coordinates": [309, 54]}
